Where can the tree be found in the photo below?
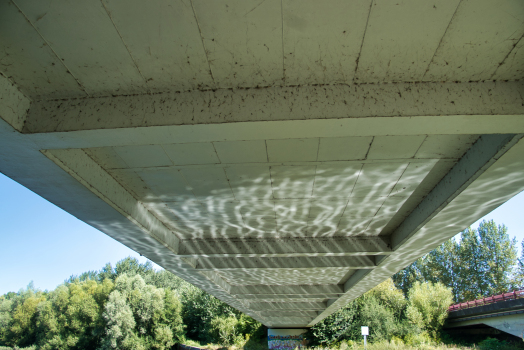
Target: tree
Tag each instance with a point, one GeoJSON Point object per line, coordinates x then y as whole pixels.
{"type": "Point", "coordinates": [443, 265]}
{"type": "Point", "coordinates": [19, 316]}
{"type": "Point", "coordinates": [71, 316]}
{"type": "Point", "coordinates": [428, 305]}
{"type": "Point", "coordinates": [199, 310]}
{"type": "Point", "coordinates": [142, 316]}
{"type": "Point", "coordinates": [519, 273]}
{"type": "Point", "coordinates": [482, 262]}
{"type": "Point", "coordinates": [500, 259]}
{"type": "Point", "coordinates": [406, 278]}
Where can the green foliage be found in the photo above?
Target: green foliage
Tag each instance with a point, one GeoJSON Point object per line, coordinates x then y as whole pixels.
{"type": "Point", "coordinates": [225, 329]}
{"type": "Point", "coordinates": [381, 309]}
{"type": "Point", "coordinates": [140, 315]}
{"type": "Point", "coordinates": [18, 317]}
{"type": "Point", "coordinates": [428, 306]}
{"type": "Point", "coordinates": [482, 263]}
{"type": "Point", "coordinates": [70, 318]}
{"type": "Point", "coordinates": [200, 308]}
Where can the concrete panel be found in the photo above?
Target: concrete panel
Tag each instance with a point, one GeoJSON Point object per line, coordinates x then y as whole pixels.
{"type": "Point", "coordinates": [243, 41]}
{"type": "Point", "coordinates": [191, 153]}
{"type": "Point", "coordinates": [35, 67]}
{"type": "Point", "coordinates": [412, 177]}
{"type": "Point", "coordinates": [86, 40]}
{"type": "Point", "coordinates": [336, 180]}
{"type": "Point", "coordinates": [377, 180]}
{"type": "Point", "coordinates": [401, 39]}
{"type": "Point", "coordinates": [166, 46]}
{"type": "Point", "coordinates": [143, 156]}
{"type": "Point", "coordinates": [482, 49]}
{"type": "Point", "coordinates": [322, 43]}
{"type": "Point", "coordinates": [343, 148]}
{"type": "Point", "coordinates": [292, 182]}
{"type": "Point", "coordinates": [208, 182]}
{"type": "Point", "coordinates": [297, 150]}
{"type": "Point", "coordinates": [165, 184]}
{"type": "Point", "coordinates": [242, 151]}
{"type": "Point", "coordinates": [106, 157]}
{"type": "Point", "coordinates": [445, 146]}
{"type": "Point", "coordinates": [513, 66]}
{"type": "Point", "coordinates": [386, 147]}
{"type": "Point", "coordinates": [249, 182]}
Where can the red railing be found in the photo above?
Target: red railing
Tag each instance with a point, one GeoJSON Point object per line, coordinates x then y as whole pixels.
{"type": "Point", "coordinates": [488, 300]}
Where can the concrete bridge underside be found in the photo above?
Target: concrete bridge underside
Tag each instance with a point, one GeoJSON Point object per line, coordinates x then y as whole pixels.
{"type": "Point", "coordinates": [506, 316]}
{"type": "Point", "coordinates": [284, 156]}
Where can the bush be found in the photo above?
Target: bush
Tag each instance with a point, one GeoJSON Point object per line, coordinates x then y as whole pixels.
{"type": "Point", "coordinates": [494, 344]}
{"type": "Point", "coordinates": [226, 330]}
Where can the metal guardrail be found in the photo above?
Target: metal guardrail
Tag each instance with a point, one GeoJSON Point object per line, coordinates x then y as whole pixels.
{"type": "Point", "coordinates": [488, 300]}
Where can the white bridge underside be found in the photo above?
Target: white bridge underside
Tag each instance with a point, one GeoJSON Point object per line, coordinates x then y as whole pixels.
{"type": "Point", "coordinates": [285, 156]}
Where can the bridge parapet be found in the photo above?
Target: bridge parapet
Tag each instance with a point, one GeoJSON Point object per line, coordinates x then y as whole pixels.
{"type": "Point", "coordinates": [488, 300]}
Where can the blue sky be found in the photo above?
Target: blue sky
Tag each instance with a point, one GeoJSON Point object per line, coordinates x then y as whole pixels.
{"type": "Point", "coordinates": [40, 242]}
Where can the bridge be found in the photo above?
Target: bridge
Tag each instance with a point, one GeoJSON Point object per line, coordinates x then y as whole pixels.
{"type": "Point", "coordinates": [504, 312]}
{"type": "Point", "coordinates": [284, 156]}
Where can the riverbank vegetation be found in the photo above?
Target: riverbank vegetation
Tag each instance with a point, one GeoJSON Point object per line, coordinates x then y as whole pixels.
{"type": "Point", "coordinates": [132, 306]}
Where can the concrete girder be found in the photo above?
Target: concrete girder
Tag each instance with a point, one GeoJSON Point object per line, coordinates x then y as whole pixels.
{"type": "Point", "coordinates": [304, 306]}
{"type": "Point", "coordinates": [354, 262]}
{"type": "Point", "coordinates": [289, 247]}
{"type": "Point", "coordinates": [79, 165]}
{"type": "Point", "coordinates": [484, 153]}
{"type": "Point", "coordinates": [474, 99]}
{"type": "Point", "coordinates": [270, 298]}
{"type": "Point", "coordinates": [289, 313]}
{"type": "Point", "coordinates": [329, 289]}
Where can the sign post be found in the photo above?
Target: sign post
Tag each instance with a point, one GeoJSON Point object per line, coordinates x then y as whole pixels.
{"type": "Point", "coordinates": [365, 333]}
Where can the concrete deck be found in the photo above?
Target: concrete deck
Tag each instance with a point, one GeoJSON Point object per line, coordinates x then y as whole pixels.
{"type": "Point", "coordinates": [284, 157]}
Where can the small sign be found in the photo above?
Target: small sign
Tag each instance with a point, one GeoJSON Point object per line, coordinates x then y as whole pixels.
{"type": "Point", "coordinates": [365, 330]}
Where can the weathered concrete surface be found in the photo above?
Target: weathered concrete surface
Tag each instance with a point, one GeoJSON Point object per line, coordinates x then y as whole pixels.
{"type": "Point", "coordinates": [284, 158]}
{"type": "Point", "coordinates": [285, 103]}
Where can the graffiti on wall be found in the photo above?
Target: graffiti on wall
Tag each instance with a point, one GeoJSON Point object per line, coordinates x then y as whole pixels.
{"type": "Point", "coordinates": [285, 342]}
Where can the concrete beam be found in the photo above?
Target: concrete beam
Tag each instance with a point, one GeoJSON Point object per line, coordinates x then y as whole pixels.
{"type": "Point", "coordinates": [330, 289]}
{"type": "Point", "coordinates": [278, 104]}
{"type": "Point", "coordinates": [80, 166]}
{"type": "Point", "coordinates": [304, 306]}
{"type": "Point", "coordinates": [484, 153]}
{"type": "Point", "coordinates": [14, 106]}
{"type": "Point", "coordinates": [310, 314]}
{"type": "Point", "coordinates": [283, 298]}
{"type": "Point", "coordinates": [289, 247]}
{"type": "Point", "coordinates": [353, 262]}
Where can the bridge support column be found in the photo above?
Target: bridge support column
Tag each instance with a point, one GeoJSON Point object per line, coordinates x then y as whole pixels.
{"type": "Point", "coordinates": [286, 339]}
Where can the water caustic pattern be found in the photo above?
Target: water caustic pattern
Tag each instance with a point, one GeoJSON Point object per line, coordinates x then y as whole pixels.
{"type": "Point", "coordinates": [279, 188]}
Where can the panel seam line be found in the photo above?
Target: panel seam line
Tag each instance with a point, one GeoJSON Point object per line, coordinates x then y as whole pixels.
{"type": "Point", "coordinates": [51, 48]}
